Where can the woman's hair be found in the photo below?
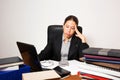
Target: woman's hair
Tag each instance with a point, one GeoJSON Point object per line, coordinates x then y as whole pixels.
{"type": "Point", "coordinates": [71, 17]}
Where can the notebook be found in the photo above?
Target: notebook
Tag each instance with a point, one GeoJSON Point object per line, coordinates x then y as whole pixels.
{"type": "Point", "coordinates": [29, 55]}
{"type": "Point", "coordinates": [10, 61]}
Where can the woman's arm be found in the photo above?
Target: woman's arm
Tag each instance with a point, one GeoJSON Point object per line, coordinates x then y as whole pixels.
{"type": "Point", "coordinates": [80, 35]}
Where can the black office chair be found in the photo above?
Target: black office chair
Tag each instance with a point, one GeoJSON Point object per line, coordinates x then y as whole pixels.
{"type": "Point", "coordinates": [53, 29]}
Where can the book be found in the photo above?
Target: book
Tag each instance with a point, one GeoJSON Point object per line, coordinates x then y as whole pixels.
{"type": "Point", "coordinates": [102, 51]}
{"type": "Point", "coordinates": [10, 61]}
{"type": "Point", "coordinates": [93, 77]}
{"type": "Point", "coordinates": [100, 60]}
{"type": "Point", "coordinates": [101, 57]}
{"type": "Point", "coordinates": [115, 67]}
{"type": "Point", "coordinates": [85, 76]}
{"type": "Point", "coordinates": [41, 75]}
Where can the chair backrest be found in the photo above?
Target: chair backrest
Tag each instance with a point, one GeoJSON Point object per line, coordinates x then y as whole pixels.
{"type": "Point", "coordinates": [53, 29]}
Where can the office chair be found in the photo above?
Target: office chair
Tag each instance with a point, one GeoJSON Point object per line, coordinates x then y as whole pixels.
{"type": "Point", "coordinates": [53, 29]}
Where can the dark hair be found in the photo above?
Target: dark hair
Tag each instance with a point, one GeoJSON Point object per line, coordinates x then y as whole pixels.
{"type": "Point", "coordinates": [72, 17]}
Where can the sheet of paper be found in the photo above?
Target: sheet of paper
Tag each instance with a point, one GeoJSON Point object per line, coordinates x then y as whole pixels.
{"type": "Point", "coordinates": [10, 68]}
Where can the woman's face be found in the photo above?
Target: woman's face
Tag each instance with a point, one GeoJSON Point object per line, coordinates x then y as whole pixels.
{"type": "Point", "coordinates": [69, 28]}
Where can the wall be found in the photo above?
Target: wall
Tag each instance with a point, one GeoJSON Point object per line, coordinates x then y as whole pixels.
{"type": "Point", "coordinates": [27, 21]}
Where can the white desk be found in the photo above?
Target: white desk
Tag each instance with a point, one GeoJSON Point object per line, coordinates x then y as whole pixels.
{"type": "Point", "coordinates": [75, 66]}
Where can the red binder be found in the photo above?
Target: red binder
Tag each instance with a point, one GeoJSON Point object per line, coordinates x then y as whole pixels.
{"type": "Point", "coordinates": [94, 77]}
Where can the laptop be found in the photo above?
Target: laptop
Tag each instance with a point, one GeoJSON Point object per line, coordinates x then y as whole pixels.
{"type": "Point", "coordinates": [29, 55]}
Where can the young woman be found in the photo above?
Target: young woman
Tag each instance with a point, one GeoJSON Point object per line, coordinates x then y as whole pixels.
{"type": "Point", "coordinates": [68, 44]}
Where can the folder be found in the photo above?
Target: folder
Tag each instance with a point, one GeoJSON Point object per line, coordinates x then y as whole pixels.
{"type": "Point", "coordinates": [41, 75]}
{"type": "Point", "coordinates": [10, 61]}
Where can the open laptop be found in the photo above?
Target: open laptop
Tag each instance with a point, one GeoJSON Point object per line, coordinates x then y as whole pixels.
{"type": "Point", "coordinates": [29, 55]}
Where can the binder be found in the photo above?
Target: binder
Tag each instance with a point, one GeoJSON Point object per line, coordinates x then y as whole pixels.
{"type": "Point", "coordinates": [99, 60]}
{"type": "Point", "coordinates": [102, 51]}
{"type": "Point", "coordinates": [10, 61]}
{"type": "Point", "coordinates": [41, 75]}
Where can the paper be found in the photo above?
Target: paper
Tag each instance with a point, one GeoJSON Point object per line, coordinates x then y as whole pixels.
{"type": "Point", "coordinates": [10, 68]}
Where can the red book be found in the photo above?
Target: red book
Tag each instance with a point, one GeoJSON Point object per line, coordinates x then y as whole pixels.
{"type": "Point", "coordinates": [93, 77]}
{"type": "Point", "coordinates": [102, 57]}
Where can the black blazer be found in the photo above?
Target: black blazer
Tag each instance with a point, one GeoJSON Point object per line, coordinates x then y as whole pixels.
{"type": "Point", "coordinates": [53, 48]}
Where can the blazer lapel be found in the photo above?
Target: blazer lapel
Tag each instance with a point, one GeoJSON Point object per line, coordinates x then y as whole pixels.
{"type": "Point", "coordinates": [72, 48]}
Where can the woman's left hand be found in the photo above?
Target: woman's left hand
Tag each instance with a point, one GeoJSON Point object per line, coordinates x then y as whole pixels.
{"type": "Point", "coordinates": [80, 35]}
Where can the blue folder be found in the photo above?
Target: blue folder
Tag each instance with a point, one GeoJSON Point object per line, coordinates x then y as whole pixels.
{"type": "Point", "coordinates": [14, 74]}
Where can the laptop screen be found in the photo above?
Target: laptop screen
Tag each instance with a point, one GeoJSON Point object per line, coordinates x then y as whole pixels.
{"type": "Point", "coordinates": [29, 55]}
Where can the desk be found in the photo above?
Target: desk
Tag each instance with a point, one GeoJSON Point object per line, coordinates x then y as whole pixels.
{"type": "Point", "coordinates": [14, 74]}
{"type": "Point", "coordinates": [75, 66]}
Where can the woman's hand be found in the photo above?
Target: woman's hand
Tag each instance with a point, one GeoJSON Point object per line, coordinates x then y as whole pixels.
{"type": "Point", "coordinates": [81, 36]}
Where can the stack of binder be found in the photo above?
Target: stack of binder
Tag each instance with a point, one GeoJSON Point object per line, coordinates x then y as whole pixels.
{"type": "Point", "coordinates": [103, 57]}
{"type": "Point", "coordinates": [12, 68]}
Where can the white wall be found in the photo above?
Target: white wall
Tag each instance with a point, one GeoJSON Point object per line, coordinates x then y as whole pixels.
{"type": "Point", "coordinates": [27, 21]}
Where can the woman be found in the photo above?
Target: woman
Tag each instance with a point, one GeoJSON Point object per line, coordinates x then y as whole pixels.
{"type": "Point", "coordinates": [68, 44]}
